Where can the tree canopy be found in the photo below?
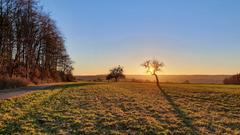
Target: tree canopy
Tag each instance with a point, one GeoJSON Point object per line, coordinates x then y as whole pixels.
{"type": "Point", "coordinates": [116, 74]}
{"type": "Point", "coordinates": [153, 67]}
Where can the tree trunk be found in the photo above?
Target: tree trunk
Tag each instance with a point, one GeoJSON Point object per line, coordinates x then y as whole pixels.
{"type": "Point", "coordinates": [157, 81]}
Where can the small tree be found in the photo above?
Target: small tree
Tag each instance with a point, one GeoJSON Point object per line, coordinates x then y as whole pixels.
{"type": "Point", "coordinates": [153, 67]}
{"type": "Point", "coordinates": [116, 74]}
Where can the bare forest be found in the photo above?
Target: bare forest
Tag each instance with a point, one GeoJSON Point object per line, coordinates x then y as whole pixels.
{"type": "Point", "coordinates": [31, 46]}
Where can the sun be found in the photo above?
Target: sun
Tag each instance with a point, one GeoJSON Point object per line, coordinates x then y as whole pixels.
{"type": "Point", "coordinates": [151, 70]}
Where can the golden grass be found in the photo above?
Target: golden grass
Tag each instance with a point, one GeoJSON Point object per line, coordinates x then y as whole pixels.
{"type": "Point", "coordinates": [124, 108]}
{"type": "Point", "coordinates": [213, 109]}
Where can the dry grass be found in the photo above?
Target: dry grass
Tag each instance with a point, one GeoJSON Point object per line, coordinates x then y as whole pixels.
{"type": "Point", "coordinates": [124, 108]}
{"type": "Point", "coordinates": [213, 109]}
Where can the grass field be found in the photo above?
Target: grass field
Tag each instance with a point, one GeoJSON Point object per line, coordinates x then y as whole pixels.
{"type": "Point", "coordinates": [124, 108]}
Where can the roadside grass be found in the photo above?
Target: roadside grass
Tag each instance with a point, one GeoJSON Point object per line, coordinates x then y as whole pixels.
{"type": "Point", "coordinates": [123, 108]}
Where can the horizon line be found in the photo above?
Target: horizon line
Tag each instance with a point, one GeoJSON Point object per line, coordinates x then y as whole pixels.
{"type": "Point", "coordinates": [161, 75]}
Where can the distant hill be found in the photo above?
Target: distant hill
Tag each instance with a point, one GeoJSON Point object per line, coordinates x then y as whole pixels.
{"type": "Point", "coordinates": [209, 79]}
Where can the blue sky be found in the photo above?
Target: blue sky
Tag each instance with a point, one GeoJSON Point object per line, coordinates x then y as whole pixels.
{"type": "Point", "coordinates": [190, 37]}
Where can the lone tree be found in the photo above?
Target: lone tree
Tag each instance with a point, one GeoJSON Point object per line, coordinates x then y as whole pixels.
{"type": "Point", "coordinates": [153, 67]}
{"type": "Point", "coordinates": [116, 74]}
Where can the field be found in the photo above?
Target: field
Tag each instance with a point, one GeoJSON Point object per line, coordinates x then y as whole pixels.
{"type": "Point", "coordinates": [202, 79]}
{"type": "Point", "coordinates": [124, 108]}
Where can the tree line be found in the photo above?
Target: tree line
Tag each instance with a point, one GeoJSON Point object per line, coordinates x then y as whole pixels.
{"type": "Point", "coordinates": [235, 79]}
{"type": "Point", "coordinates": [31, 46]}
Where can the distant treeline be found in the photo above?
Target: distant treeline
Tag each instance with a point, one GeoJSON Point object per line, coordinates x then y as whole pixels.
{"type": "Point", "coordinates": [235, 79]}
{"type": "Point", "coordinates": [31, 45]}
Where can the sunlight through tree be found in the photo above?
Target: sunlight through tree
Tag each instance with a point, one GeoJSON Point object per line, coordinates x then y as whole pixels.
{"type": "Point", "coordinates": [153, 67]}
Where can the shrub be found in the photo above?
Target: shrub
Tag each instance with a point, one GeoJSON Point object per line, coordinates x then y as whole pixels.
{"type": "Point", "coordinates": [61, 76]}
{"type": "Point", "coordinates": [36, 80]}
{"type": "Point", "coordinates": [186, 82]}
{"type": "Point", "coordinates": [7, 83]}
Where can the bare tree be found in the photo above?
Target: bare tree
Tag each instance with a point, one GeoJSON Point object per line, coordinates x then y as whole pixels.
{"type": "Point", "coordinates": [31, 45]}
{"type": "Point", "coordinates": [153, 67]}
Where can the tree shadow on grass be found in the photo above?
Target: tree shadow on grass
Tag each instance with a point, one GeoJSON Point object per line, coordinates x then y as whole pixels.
{"type": "Point", "coordinates": [181, 114]}
{"type": "Point", "coordinates": [46, 87]}
{"type": "Point", "coordinates": [14, 126]}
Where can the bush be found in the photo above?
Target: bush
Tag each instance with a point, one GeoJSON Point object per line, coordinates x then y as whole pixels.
{"type": "Point", "coordinates": [7, 83]}
{"type": "Point", "coordinates": [61, 76]}
{"type": "Point", "coordinates": [186, 82]}
{"type": "Point", "coordinates": [36, 80]}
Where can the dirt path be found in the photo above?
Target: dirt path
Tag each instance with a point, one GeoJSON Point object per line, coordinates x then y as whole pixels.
{"type": "Point", "coordinates": [9, 93]}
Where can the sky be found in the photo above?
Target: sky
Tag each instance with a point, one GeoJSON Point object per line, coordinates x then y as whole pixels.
{"type": "Point", "coordinates": [189, 36]}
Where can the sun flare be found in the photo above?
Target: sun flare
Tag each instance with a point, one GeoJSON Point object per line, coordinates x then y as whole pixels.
{"type": "Point", "coordinates": [151, 70]}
